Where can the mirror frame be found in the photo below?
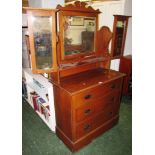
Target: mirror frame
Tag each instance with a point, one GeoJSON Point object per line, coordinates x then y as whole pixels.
{"type": "Point", "coordinates": [42, 12]}
{"type": "Point", "coordinates": [121, 18]}
{"type": "Point", "coordinates": [76, 9]}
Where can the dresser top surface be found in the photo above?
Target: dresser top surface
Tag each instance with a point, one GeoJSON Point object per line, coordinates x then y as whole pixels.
{"type": "Point", "coordinates": [85, 80]}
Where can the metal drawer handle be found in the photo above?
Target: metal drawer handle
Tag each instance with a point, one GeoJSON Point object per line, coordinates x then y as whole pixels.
{"type": "Point", "coordinates": [87, 126]}
{"type": "Point", "coordinates": [113, 86]}
{"type": "Point", "coordinates": [87, 111]}
{"type": "Point", "coordinates": [87, 97]}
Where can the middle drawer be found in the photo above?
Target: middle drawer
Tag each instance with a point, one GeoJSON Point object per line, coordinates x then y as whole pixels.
{"type": "Point", "coordinates": [84, 112]}
{"type": "Point", "coordinates": [96, 106]}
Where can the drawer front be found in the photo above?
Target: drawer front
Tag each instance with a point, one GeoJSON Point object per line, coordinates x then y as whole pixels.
{"type": "Point", "coordinates": [84, 112]}
{"type": "Point", "coordinates": [88, 109]}
{"type": "Point", "coordinates": [105, 115]}
{"type": "Point", "coordinates": [84, 128]}
{"type": "Point", "coordinates": [109, 100]}
{"type": "Point", "coordinates": [94, 93]}
{"type": "Point", "coordinates": [90, 124]}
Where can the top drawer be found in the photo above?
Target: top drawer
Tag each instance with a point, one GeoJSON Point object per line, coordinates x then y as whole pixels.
{"type": "Point", "coordinates": [91, 94]}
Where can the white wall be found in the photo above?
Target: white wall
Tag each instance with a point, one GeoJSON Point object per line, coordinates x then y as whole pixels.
{"type": "Point", "coordinates": [52, 3]}
{"type": "Point", "coordinates": [35, 3]}
{"type": "Point", "coordinates": [24, 20]}
{"type": "Point", "coordinates": [45, 3]}
{"type": "Point", "coordinates": [128, 44]}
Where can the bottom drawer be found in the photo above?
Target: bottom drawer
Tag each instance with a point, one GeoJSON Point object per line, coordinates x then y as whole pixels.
{"type": "Point", "coordinates": [84, 128]}
{"type": "Point", "coordinates": [99, 119]}
{"type": "Point", "coordinates": [105, 115]}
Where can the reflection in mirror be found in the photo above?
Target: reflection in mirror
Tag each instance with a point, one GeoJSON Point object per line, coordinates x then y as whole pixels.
{"type": "Point", "coordinates": [120, 25]}
{"type": "Point", "coordinates": [79, 34]}
{"type": "Point", "coordinates": [42, 41]}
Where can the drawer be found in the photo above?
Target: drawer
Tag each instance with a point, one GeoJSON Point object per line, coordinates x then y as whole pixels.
{"type": "Point", "coordinates": [105, 115]}
{"type": "Point", "coordinates": [94, 93]}
{"type": "Point", "coordinates": [90, 124]}
{"type": "Point", "coordinates": [84, 128]}
{"type": "Point", "coordinates": [96, 106]}
{"type": "Point", "coordinates": [110, 99]}
{"type": "Point", "coordinates": [84, 112]}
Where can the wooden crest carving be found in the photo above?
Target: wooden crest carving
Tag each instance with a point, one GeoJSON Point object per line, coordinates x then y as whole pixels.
{"type": "Point", "coordinates": [78, 6]}
{"type": "Point", "coordinates": [104, 35]}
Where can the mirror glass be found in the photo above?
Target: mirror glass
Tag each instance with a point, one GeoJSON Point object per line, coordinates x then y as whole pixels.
{"type": "Point", "coordinates": [42, 26]}
{"type": "Point", "coordinates": [79, 34]}
{"type": "Point", "coordinates": [120, 26]}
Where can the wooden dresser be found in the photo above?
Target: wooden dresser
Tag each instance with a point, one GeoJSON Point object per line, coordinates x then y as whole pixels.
{"type": "Point", "coordinates": [86, 92]}
{"type": "Point", "coordinates": [87, 107]}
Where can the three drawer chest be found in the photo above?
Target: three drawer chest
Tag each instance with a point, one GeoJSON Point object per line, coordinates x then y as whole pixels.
{"type": "Point", "coordinates": [87, 107]}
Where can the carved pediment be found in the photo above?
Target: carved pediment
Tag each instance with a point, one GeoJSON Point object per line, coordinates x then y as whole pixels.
{"type": "Point", "coordinates": [78, 6]}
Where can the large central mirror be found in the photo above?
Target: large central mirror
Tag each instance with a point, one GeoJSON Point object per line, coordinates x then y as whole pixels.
{"type": "Point", "coordinates": [79, 35]}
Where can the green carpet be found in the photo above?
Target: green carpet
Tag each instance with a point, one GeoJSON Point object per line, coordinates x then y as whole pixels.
{"type": "Point", "coordinates": [37, 139]}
